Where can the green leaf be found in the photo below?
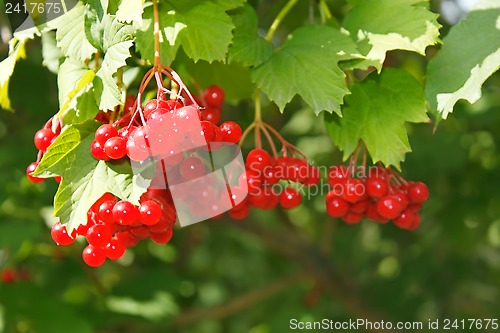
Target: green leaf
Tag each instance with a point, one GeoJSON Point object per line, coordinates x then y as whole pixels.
{"type": "Point", "coordinates": [84, 179]}
{"type": "Point", "coordinates": [203, 28]}
{"type": "Point", "coordinates": [115, 39]}
{"type": "Point", "coordinates": [230, 4]}
{"type": "Point", "coordinates": [130, 11]}
{"type": "Point", "coordinates": [70, 34]}
{"type": "Point", "coordinates": [376, 113]}
{"type": "Point", "coordinates": [470, 54]}
{"type": "Point", "coordinates": [307, 65]}
{"type": "Point", "coordinates": [51, 53]}
{"type": "Point", "coordinates": [107, 91]}
{"type": "Point", "coordinates": [16, 52]}
{"type": "Point", "coordinates": [86, 106]}
{"type": "Point", "coordinates": [248, 47]}
{"type": "Point", "coordinates": [73, 79]}
{"type": "Point", "coordinates": [379, 30]}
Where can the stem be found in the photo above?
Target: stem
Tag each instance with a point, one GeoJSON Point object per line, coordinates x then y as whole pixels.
{"type": "Point", "coordinates": [326, 14]}
{"type": "Point", "coordinates": [270, 140]}
{"type": "Point", "coordinates": [258, 107]}
{"type": "Point", "coordinates": [156, 27]}
{"type": "Point", "coordinates": [279, 18]}
{"type": "Point", "coordinates": [247, 131]}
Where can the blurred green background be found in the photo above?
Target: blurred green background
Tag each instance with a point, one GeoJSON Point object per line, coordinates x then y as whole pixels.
{"type": "Point", "coordinates": [256, 275]}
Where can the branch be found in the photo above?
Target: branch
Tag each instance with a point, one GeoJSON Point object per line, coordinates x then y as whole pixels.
{"type": "Point", "coordinates": [239, 303]}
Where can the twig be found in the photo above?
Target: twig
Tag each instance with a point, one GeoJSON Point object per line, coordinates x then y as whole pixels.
{"type": "Point", "coordinates": [239, 303]}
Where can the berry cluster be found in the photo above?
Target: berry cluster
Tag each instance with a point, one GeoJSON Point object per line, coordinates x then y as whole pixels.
{"type": "Point", "coordinates": [380, 195]}
{"type": "Point", "coordinates": [263, 172]}
{"type": "Point", "coordinates": [43, 139]}
{"type": "Point", "coordinates": [113, 225]}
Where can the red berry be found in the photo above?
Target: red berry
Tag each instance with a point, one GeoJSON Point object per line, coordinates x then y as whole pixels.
{"type": "Point", "coordinates": [192, 168]}
{"type": "Point", "coordinates": [354, 190]}
{"type": "Point", "coordinates": [125, 213]}
{"type": "Point", "coordinates": [116, 147]}
{"type": "Point", "coordinates": [126, 239]}
{"type": "Point", "coordinates": [60, 235]}
{"type": "Point", "coordinates": [149, 212]}
{"type": "Point", "coordinates": [377, 187]}
{"type": "Point", "coordinates": [418, 192]}
{"type": "Point", "coordinates": [372, 214]}
{"type": "Point", "coordinates": [93, 256]}
{"type": "Point", "coordinates": [269, 175]}
{"type": "Point", "coordinates": [389, 207]}
{"type": "Point", "coordinates": [214, 96]}
{"type": "Point", "coordinates": [162, 237]}
{"type": "Point", "coordinates": [172, 105]}
{"type": "Point", "coordinates": [313, 176]}
{"type": "Point", "coordinates": [43, 139]}
{"type": "Point", "coordinates": [187, 118]}
{"type": "Point", "coordinates": [238, 196]}
{"type": "Point", "coordinates": [208, 130]}
{"type": "Point", "coordinates": [336, 207]}
{"type": "Point", "coordinates": [104, 132]}
{"type": "Point", "coordinates": [416, 222]}
{"type": "Point", "coordinates": [231, 131]}
{"type": "Point", "coordinates": [99, 235]}
{"type": "Point", "coordinates": [97, 150]}
{"type": "Point", "coordinates": [154, 104]}
{"type": "Point", "coordinates": [360, 207]}
{"type": "Point", "coordinates": [125, 132]}
{"type": "Point", "coordinates": [352, 218]}
{"type": "Point", "coordinates": [114, 250]}
{"type": "Point", "coordinates": [338, 175]}
{"type": "Point", "coordinates": [9, 275]}
{"type": "Point", "coordinates": [105, 211]}
{"type": "Point", "coordinates": [258, 159]}
{"type": "Point", "coordinates": [290, 198]}
{"type": "Point", "coordinates": [403, 199]}
{"type": "Point", "coordinates": [405, 220]}
{"type": "Point", "coordinates": [252, 180]}
{"type": "Point", "coordinates": [141, 232]}
{"type": "Point", "coordinates": [134, 152]}
{"type": "Point", "coordinates": [29, 170]}
{"type": "Point", "coordinates": [211, 114]}
{"type": "Point", "coordinates": [377, 172]}
{"type": "Point", "coordinates": [240, 213]}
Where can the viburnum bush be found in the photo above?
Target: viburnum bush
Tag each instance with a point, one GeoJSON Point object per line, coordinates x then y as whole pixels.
{"type": "Point", "coordinates": [144, 85]}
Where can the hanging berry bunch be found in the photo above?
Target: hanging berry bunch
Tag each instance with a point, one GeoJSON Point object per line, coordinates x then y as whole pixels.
{"type": "Point", "coordinates": [166, 133]}
{"type": "Point", "coordinates": [378, 193]}
{"type": "Point", "coordinates": [264, 171]}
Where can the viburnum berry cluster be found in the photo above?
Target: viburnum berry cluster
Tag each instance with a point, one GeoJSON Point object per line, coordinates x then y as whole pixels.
{"type": "Point", "coordinates": [167, 133]}
{"type": "Point", "coordinates": [114, 225]}
{"type": "Point", "coordinates": [270, 177]}
{"type": "Point", "coordinates": [380, 194]}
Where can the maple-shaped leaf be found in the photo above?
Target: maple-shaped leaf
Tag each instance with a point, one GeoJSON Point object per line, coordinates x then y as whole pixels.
{"type": "Point", "coordinates": [379, 30]}
{"type": "Point", "coordinates": [248, 47]}
{"type": "Point", "coordinates": [202, 27]}
{"type": "Point", "coordinates": [307, 65]}
{"type": "Point", "coordinates": [376, 112]}
{"type": "Point", "coordinates": [470, 55]}
{"type": "Point", "coordinates": [85, 179]}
